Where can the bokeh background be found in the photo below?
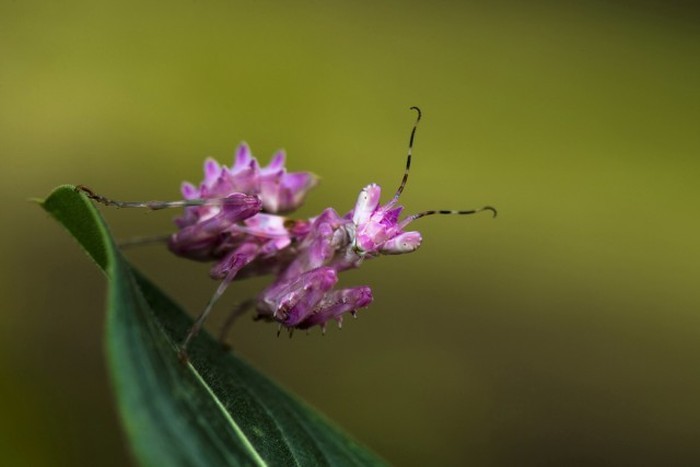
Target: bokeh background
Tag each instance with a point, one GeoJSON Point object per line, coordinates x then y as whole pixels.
{"type": "Point", "coordinates": [565, 332]}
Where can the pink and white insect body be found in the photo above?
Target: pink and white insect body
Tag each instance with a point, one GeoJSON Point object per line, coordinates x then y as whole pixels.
{"type": "Point", "coordinates": [235, 218]}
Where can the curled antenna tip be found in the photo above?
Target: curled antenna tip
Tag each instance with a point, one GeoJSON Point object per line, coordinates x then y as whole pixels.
{"type": "Point", "coordinates": [489, 208]}
{"type": "Point", "coordinates": [420, 114]}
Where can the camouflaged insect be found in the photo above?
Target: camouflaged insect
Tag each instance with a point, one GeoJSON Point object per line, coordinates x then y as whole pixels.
{"type": "Point", "coordinates": [236, 218]}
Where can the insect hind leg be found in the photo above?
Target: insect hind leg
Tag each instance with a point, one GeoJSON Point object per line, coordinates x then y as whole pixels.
{"type": "Point", "coordinates": [233, 315]}
{"type": "Point", "coordinates": [154, 205]}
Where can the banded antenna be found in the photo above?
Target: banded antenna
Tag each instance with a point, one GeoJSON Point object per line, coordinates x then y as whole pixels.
{"type": "Point", "coordinates": [404, 180]}
{"type": "Point", "coordinates": [408, 158]}
{"type": "Point", "coordinates": [433, 212]}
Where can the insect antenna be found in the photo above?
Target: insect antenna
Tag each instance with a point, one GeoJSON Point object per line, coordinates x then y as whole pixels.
{"type": "Point", "coordinates": [432, 212]}
{"type": "Point", "coordinates": [408, 158]}
{"type": "Point", "coordinates": [155, 205]}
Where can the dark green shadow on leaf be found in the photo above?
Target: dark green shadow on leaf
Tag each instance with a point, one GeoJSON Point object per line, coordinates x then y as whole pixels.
{"type": "Point", "coordinates": [217, 410]}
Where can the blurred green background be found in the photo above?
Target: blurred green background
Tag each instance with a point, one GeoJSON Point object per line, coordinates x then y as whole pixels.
{"type": "Point", "coordinates": [565, 332]}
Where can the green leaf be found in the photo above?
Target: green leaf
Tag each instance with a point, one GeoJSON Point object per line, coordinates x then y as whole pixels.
{"type": "Point", "coordinates": [215, 410]}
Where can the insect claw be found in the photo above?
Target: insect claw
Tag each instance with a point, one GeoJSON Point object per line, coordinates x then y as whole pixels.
{"type": "Point", "coordinates": [279, 330]}
{"type": "Point", "coordinates": [354, 313]}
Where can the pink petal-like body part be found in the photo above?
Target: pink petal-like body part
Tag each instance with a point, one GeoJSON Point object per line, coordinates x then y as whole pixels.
{"type": "Point", "coordinates": [337, 303]}
{"type": "Point", "coordinates": [211, 232]}
{"type": "Point", "coordinates": [236, 260]}
{"type": "Point", "coordinates": [292, 301]}
{"type": "Point", "coordinates": [367, 203]}
{"type": "Point", "coordinates": [403, 243]}
{"type": "Point", "coordinates": [199, 240]}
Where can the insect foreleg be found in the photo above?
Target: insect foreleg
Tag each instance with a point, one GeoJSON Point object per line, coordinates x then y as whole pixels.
{"type": "Point", "coordinates": [291, 301]}
{"type": "Point", "coordinates": [335, 304]}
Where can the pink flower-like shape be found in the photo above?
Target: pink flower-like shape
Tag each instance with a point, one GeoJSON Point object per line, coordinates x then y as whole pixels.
{"type": "Point", "coordinates": [216, 232]}
{"type": "Point", "coordinates": [378, 229]}
{"type": "Point", "coordinates": [279, 190]}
